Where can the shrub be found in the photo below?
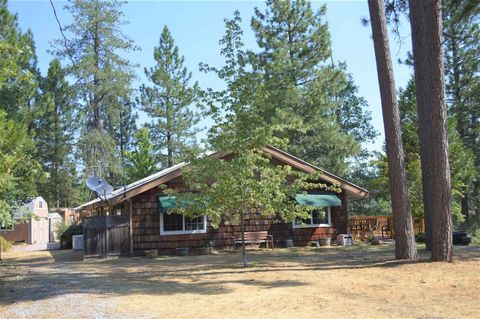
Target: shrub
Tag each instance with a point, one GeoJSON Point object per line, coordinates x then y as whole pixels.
{"type": "Point", "coordinates": [420, 238]}
{"type": "Point", "coordinates": [65, 233]}
{"type": "Point", "coordinates": [475, 237]}
{"type": "Point", "coordinates": [5, 244]}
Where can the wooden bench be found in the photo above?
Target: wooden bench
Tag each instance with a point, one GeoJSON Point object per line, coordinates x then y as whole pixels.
{"type": "Point", "coordinates": [254, 237]}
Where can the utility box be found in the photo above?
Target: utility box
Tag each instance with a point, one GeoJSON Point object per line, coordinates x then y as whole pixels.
{"type": "Point", "coordinates": [344, 240]}
{"type": "Point", "coordinates": [77, 242]}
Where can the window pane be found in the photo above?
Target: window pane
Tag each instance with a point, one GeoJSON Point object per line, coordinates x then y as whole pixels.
{"type": "Point", "coordinates": [320, 216]}
{"type": "Point", "coordinates": [172, 222]}
{"type": "Point", "coordinates": [194, 223]}
{"type": "Point", "coordinates": [306, 221]}
{"type": "Point", "coordinates": [2, 226]}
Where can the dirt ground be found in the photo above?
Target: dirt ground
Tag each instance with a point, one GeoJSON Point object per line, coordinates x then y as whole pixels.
{"type": "Point", "coordinates": [340, 282]}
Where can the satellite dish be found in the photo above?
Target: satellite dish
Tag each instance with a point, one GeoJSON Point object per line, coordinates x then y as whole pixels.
{"type": "Point", "coordinates": [93, 182]}
{"type": "Point", "coordinates": [99, 186]}
{"type": "Point", "coordinates": [104, 189]}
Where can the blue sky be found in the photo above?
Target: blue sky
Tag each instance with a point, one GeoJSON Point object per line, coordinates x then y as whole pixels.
{"type": "Point", "coordinates": [198, 25]}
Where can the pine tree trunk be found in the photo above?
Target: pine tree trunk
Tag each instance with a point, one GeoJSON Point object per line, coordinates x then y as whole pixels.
{"type": "Point", "coordinates": [476, 197]}
{"type": "Point", "coordinates": [405, 247]}
{"type": "Point", "coordinates": [242, 229]}
{"type": "Point", "coordinates": [96, 122]}
{"type": "Point", "coordinates": [464, 208]}
{"type": "Point", "coordinates": [426, 25]}
{"type": "Point", "coordinates": [169, 150]}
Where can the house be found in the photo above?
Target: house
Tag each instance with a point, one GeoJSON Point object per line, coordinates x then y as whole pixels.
{"type": "Point", "coordinates": [143, 205]}
{"type": "Point", "coordinates": [32, 225]}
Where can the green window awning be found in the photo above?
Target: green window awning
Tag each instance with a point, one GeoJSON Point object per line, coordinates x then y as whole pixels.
{"type": "Point", "coordinates": [318, 200]}
{"type": "Point", "coordinates": [166, 202]}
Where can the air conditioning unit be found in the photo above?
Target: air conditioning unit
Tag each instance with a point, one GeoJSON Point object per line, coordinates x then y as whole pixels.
{"type": "Point", "coordinates": [344, 240]}
{"type": "Point", "coordinates": [77, 242]}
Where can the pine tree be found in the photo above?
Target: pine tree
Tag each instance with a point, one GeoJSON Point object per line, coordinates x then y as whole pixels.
{"type": "Point", "coordinates": [426, 25]}
{"type": "Point", "coordinates": [54, 138]}
{"type": "Point", "coordinates": [103, 79]}
{"type": "Point", "coordinates": [461, 159]}
{"type": "Point", "coordinates": [14, 146]}
{"type": "Point", "coordinates": [318, 97]}
{"type": "Point", "coordinates": [169, 102]}
{"type": "Point", "coordinates": [142, 160]}
{"type": "Point", "coordinates": [462, 65]}
{"type": "Point", "coordinates": [18, 89]}
{"type": "Point", "coordinates": [19, 171]}
{"type": "Point", "coordinates": [405, 247]}
{"type": "Point", "coordinates": [122, 127]}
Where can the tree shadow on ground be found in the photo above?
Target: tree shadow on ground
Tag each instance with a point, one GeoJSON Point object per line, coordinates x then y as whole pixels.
{"type": "Point", "coordinates": [43, 276]}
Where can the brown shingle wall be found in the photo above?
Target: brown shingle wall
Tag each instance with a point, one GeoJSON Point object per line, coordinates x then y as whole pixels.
{"type": "Point", "coordinates": [146, 227]}
{"type": "Point", "coordinates": [19, 233]}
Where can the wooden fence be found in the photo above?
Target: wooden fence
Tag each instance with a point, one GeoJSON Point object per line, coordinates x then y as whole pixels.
{"type": "Point", "coordinates": [362, 227]}
{"type": "Point", "coordinates": [105, 236]}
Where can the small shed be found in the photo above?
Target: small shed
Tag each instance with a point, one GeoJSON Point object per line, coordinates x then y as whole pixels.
{"type": "Point", "coordinates": [53, 220]}
{"type": "Point", "coordinates": [29, 229]}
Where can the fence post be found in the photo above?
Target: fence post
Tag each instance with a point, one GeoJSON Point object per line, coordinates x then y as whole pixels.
{"type": "Point", "coordinates": [130, 225]}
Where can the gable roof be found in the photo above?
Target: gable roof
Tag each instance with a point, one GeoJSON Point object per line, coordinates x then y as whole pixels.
{"type": "Point", "coordinates": [31, 207]}
{"type": "Point", "coordinates": [351, 190]}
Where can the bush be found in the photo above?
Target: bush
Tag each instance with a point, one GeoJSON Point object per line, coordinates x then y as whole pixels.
{"type": "Point", "coordinates": [5, 244]}
{"type": "Point", "coordinates": [475, 237]}
{"type": "Point", "coordinates": [65, 233]}
{"type": "Point", "coordinates": [420, 238]}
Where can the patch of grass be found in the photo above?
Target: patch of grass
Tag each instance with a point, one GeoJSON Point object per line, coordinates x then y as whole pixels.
{"type": "Point", "coordinates": [339, 282]}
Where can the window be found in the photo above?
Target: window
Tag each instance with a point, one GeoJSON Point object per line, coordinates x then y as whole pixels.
{"type": "Point", "coordinates": [174, 224]}
{"type": "Point", "coordinates": [3, 227]}
{"type": "Point", "coordinates": [40, 204]}
{"type": "Point", "coordinates": [318, 218]}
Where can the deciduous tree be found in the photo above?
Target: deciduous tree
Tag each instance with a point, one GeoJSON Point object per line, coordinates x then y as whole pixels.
{"type": "Point", "coordinates": [229, 189]}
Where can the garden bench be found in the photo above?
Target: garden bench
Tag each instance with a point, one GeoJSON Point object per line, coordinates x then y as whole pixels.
{"type": "Point", "coordinates": [254, 237]}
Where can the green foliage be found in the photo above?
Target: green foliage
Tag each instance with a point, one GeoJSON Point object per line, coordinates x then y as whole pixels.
{"type": "Point", "coordinates": [18, 90]}
{"type": "Point", "coordinates": [11, 50]}
{"type": "Point", "coordinates": [420, 238]}
{"type": "Point", "coordinates": [329, 122]}
{"type": "Point", "coordinates": [461, 159]}
{"type": "Point", "coordinates": [123, 133]}
{"type": "Point", "coordinates": [142, 160]}
{"type": "Point", "coordinates": [103, 80]}
{"type": "Point", "coordinates": [168, 102]}
{"type": "Point", "coordinates": [18, 72]}
{"type": "Point", "coordinates": [247, 181]}
{"type": "Point", "coordinates": [462, 48]}
{"type": "Point", "coordinates": [18, 171]}
{"type": "Point", "coordinates": [54, 138]}
{"type": "Point", "coordinates": [373, 175]}
{"type": "Point", "coordinates": [475, 237]}
{"type": "Point", "coordinates": [4, 245]}
{"type": "Point", "coordinates": [66, 231]}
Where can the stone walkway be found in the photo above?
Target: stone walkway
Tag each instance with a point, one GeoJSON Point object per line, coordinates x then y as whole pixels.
{"type": "Point", "coordinates": [35, 247]}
